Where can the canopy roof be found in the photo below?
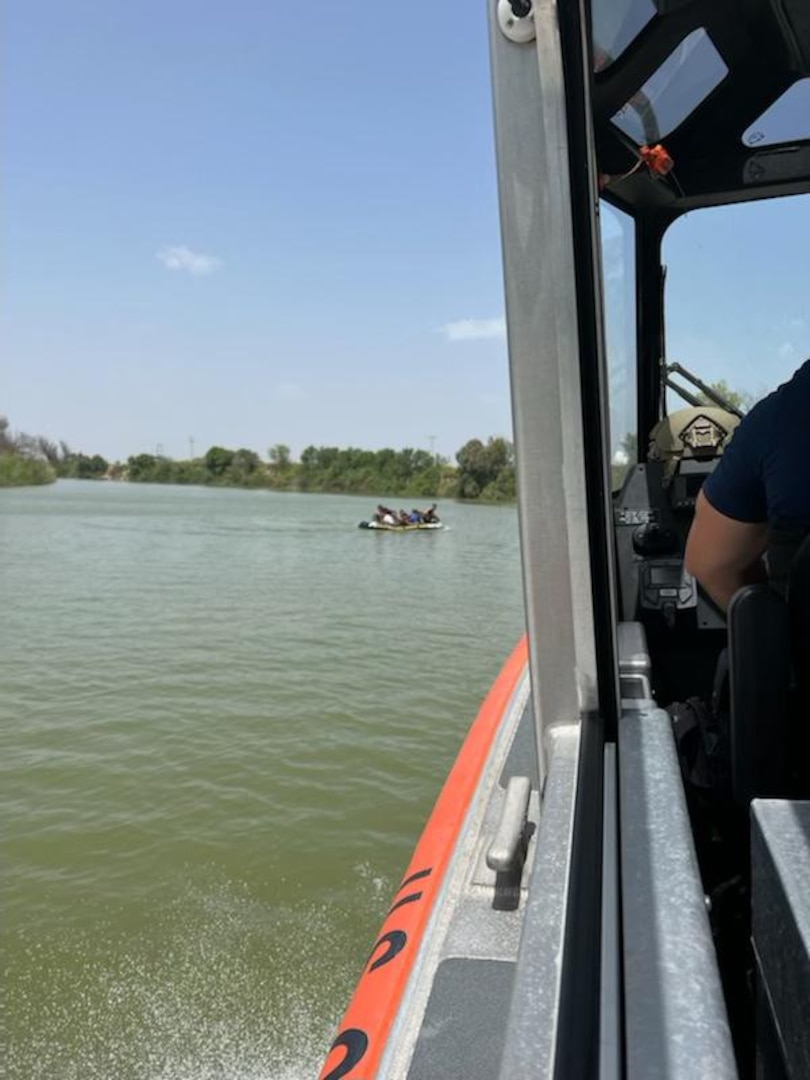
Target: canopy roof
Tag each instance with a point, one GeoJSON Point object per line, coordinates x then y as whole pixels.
{"type": "Point", "coordinates": [722, 85]}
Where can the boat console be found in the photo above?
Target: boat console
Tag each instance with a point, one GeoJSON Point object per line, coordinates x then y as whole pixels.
{"type": "Point", "coordinates": [652, 515]}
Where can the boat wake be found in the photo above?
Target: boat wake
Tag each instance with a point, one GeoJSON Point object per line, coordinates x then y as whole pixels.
{"type": "Point", "coordinates": [219, 987]}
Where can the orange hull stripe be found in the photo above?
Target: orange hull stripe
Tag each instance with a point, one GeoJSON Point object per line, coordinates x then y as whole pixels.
{"type": "Point", "coordinates": [363, 1034]}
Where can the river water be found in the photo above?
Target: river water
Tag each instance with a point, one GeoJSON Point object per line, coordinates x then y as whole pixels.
{"type": "Point", "coordinates": [226, 715]}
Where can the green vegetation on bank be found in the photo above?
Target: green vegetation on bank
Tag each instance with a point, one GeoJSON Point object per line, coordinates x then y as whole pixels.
{"type": "Point", "coordinates": [21, 462]}
{"type": "Point", "coordinates": [484, 471]}
{"type": "Point", "coordinates": [19, 471]}
{"type": "Point", "coordinates": [33, 459]}
{"type": "Point", "coordinates": [82, 466]}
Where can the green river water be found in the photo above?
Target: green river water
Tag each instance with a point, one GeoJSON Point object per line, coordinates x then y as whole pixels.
{"type": "Point", "coordinates": [226, 716]}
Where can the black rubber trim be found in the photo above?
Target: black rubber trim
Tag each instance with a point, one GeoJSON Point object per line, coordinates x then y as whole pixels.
{"type": "Point", "coordinates": [574, 36]}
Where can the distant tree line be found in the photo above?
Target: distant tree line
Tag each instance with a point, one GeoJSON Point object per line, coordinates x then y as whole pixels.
{"type": "Point", "coordinates": [486, 471]}
{"type": "Point", "coordinates": [483, 471]}
{"type": "Point", "coordinates": [33, 459]}
{"type": "Point", "coordinates": [22, 459]}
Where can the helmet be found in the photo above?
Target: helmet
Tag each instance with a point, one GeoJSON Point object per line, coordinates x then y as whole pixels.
{"type": "Point", "coordinates": [700, 432]}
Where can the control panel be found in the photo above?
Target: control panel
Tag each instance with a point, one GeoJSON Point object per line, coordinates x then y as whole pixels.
{"type": "Point", "coordinates": [652, 519]}
{"type": "Point", "coordinates": [665, 584]}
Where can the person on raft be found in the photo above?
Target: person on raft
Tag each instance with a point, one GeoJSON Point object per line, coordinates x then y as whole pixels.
{"type": "Point", "coordinates": [384, 515]}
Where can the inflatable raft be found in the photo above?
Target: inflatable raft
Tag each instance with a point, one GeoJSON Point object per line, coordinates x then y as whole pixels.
{"type": "Point", "coordinates": [421, 527]}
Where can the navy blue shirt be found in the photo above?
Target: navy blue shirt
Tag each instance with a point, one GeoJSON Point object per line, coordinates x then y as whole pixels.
{"type": "Point", "coordinates": [764, 473]}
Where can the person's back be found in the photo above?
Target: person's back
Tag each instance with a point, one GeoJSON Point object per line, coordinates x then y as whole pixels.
{"type": "Point", "coordinates": [764, 474]}
{"type": "Point", "coordinates": [760, 485]}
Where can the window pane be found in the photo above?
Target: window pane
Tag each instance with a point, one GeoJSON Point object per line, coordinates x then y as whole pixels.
{"type": "Point", "coordinates": [686, 77]}
{"type": "Point", "coordinates": [787, 120]}
{"type": "Point", "coordinates": [736, 295]}
{"type": "Point", "coordinates": [618, 261]}
{"type": "Point", "coordinates": [615, 24]}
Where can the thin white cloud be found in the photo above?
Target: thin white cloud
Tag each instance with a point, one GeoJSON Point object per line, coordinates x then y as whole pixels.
{"type": "Point", "coordinates": [474, 329]}
{"type": "Point", "coordinates": [290, 391]}
{"type": "Point", "coordinates": [192, 262]}
{"type": "Point", "coordinates": [786, 350]}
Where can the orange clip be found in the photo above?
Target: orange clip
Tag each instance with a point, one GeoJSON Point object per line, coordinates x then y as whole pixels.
{"type": "Point", "coordinates": [656, 159]}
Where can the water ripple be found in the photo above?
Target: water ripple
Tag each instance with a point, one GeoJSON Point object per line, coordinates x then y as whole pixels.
{"type": "Point", "coordinates": [225, 717]}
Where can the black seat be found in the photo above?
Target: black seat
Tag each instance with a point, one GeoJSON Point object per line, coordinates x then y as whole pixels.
{"type": "Point", "coordinates": [769, 678]}
{"type": "Point", "coordinates": [799, 612]}
{"type": "Point", "coordinates": [759, 678]}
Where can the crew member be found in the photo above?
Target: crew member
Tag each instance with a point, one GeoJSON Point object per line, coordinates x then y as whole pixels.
{"type": "Point", "coordinates": [761, 484]}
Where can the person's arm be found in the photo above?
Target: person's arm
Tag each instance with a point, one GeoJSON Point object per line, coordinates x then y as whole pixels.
{"type": "Point", "coordinates": [724, 554]}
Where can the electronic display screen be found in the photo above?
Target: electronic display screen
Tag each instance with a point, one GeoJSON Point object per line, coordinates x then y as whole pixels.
{"type": "Point", "coordinates": [665, 575]}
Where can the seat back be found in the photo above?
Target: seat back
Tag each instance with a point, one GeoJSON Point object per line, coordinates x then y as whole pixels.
{"type": "Point", "coordinates": [799, 613]}
{"type": "Point", "coordinates": [799, 604]}
{"type": "Point", "coordinates": [769, 676]}
{"type": "Point", "coordinates": [759, 679]}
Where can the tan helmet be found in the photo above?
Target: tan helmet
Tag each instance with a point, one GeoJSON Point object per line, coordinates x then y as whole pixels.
{"type": "Point", "coordinates": [700, 432]}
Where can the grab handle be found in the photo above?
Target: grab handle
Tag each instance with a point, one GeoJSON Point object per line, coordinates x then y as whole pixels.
{"type": "Point", "coordinates": [507, 850]}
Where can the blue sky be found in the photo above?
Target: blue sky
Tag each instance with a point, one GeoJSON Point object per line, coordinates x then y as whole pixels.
{"type": "Point", "coordinates": [738, 292]}
{"type": "Point", "coordinates": [253, 222]}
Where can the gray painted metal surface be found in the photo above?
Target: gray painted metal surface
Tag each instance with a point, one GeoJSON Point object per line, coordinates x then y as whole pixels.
{"type": "Point", "coordinates": [635, 665]}
{"type": "Point", "coordinates": [675, 1018]}
{"type": "Point", "coordinates": [540, 286]}
{"type": "Point", "coordinates": [477, 916]}
{"type": "Point", "coordinates": [780, 864]}
{"type": "Point", "coordinates": [531, 1039]}
{"type": "Point", "coordinates": [610, 1014]}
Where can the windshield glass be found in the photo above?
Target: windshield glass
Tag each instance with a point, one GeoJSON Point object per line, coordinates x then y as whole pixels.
{"type": "Point", "coordinates": [736, 296]}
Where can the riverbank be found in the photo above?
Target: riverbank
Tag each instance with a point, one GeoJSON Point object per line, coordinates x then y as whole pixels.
{"type": "Point", "coordinates": [485, 472]}
{"type": "Point", "coordinates": [19, 471]}
{"type": "Point", "coordinates": [445, 492]}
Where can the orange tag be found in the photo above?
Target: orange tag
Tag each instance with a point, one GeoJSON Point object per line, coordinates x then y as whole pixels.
{"type": "Point", "coordinates": [656, 159]}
